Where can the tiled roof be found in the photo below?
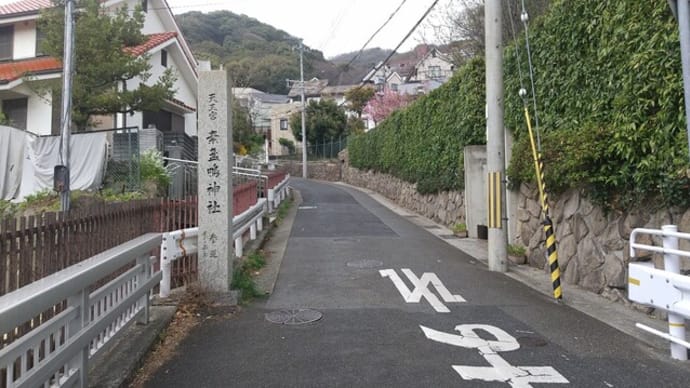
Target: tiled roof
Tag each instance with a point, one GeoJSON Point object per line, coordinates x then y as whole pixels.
{"type": "Point", "coordinates": [152, 41]}
{"type": "Point", "coordinates": [181, 104]}
{"type": "Point", "coordinates": [24, 6]}
{"type": "Point", "coordinates": [11, 71]}
{"type": "Point", "coordinates": [337, 89]}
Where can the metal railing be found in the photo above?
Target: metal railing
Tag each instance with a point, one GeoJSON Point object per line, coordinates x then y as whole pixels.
{"type": "Point", "coordinates": [184, 177]}
{"type": "Point", "coordinates": [179, 243]}
{"type": "Point", "coordinates": [242, 175]}
{"type": "Point", "coordinates": [664, 289]}
{"type": "Point", "coordinates": [55, 351]}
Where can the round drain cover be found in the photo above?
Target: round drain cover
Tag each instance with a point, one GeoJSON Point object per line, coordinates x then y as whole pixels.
{"type": "Point", "coordinates": [293, 316]}
{"type": "Point", "coordinates": [365, 264]}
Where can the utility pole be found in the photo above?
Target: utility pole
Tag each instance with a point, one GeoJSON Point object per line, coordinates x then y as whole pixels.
{"type": "Point", "coordinates": [303, 109]}
{"type": "Point", "coordinates": [304, 130]}
{"type": "Point", "coordinates": [495, 144]}
{"type": "Point", "coordinates": [62, 177]}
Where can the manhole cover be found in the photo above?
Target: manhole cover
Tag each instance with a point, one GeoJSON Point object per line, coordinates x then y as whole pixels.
{"type": "Point", "coordinates": [365, 264]}
{"type": "Point", "coordinates": [531, 342]}
{"type": "Point", "coordinates": [293, 316]}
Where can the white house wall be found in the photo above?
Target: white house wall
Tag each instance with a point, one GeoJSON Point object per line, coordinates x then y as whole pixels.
{"type": "Point", "coordinates": [153, 22]}
{"type": "Point", "coordinates": [422, 71]}
{"type": "Point", "coordinates": [24, 40]}
{"type": "Point", "coordinates": [40, 113]}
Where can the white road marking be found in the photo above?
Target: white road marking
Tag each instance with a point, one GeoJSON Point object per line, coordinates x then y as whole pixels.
{"type": "Point", "coordinates": [421, 289]}
{"type": "Point", "coordinates": [307, 207]}
{"type": "Point", "coordinates": [500, 369]}
{"type": "Point", "coordinates": [468, 338]}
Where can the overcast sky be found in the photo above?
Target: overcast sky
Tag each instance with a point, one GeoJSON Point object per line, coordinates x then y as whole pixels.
{"type": "Point", "coordinates": [333, 27]}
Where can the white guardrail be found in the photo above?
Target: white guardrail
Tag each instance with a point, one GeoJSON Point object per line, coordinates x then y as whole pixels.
{"type": "Point", "coordinates": [277, 194]}
{"type": "Point", "coordinates": [183, 242]}
{"type": "Point", "coordinates": [664, 289]}
{"type": "Point", "coordinates": [56, 352]}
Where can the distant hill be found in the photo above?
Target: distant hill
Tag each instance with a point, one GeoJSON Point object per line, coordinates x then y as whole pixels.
{"type": "Point", "coordinates": [263, 57]}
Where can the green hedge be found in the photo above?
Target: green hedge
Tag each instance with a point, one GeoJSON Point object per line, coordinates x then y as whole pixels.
{"type": "Point", "coordinates": [610, 94]}
{"type": "Point", "coordinates": [610, 100]}
{"type": "Point", "coordinates": [424, 142]}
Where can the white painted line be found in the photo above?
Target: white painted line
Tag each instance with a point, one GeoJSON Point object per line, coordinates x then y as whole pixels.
{"type": "Point", "coordinates": [515, 376]}
{"type": "Point", "coordinates": [468, 338]}
{"type": "Point", "coordinates": [307, 207]}
{"type": "Point", "coordinates": [421, 289]}
{"type": "Point", "coordinates": [500, 370]}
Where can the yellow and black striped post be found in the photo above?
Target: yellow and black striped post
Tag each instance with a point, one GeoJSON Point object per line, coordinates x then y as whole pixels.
{"type": "Point", "coordinates": [552, 253]}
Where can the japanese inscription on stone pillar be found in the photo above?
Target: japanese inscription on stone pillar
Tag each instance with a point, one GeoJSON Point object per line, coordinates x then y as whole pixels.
{"type": "Point", "coordinates": [215, 181]}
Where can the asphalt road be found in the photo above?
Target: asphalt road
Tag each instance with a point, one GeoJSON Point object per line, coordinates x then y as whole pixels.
{"type": "Point", "coordinates": [419, 314]}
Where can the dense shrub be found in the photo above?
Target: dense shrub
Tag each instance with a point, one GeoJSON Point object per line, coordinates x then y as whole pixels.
{"type": "Point", "coordinates": [610, 103]}
{"type": "Point", "coordinates": [424, 142]}
{"type": "Point", "coordinates": [610, 93]}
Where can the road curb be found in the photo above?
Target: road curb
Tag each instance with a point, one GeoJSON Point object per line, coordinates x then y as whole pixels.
{"type": "Point", "coordinates": [275, 248]}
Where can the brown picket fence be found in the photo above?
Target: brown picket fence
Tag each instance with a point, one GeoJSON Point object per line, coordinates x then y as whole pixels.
{"type": "Point", "coordinates": [32, 247]}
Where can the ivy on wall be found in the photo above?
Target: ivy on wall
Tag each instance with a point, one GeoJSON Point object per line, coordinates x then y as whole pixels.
{"type": "Point", "coordinates": [610, 99]}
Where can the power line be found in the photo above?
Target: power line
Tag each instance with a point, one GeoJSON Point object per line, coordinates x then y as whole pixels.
{"type": "Point", "coordinates": [335, 25]}
{"type": "Point", "coordinates": [377, 67]}
{"type": "Point", "coordinates": [374, 35]}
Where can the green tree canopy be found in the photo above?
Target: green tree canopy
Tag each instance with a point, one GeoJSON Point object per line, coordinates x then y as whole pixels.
{"type": "Point", "coordinates": [357, 98]}
{"type": "Point", "coordinates": [324, 120]}
{"type": "Point", "coordinates": [243, 135]}
{"type": "Point", "coordinates": [102, 61]}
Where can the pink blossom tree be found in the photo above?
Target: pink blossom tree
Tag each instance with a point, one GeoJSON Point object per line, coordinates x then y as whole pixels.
{"type": "Point", "coordinates": [383, 104]}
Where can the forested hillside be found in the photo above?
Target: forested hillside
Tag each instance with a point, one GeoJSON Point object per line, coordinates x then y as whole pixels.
{"type": "Point", "coordinates": [260, 55]}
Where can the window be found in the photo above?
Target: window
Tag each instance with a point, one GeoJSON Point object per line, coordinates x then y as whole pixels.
{"type": "Point", "coordinates": [394, 87]}
{"type": "Point", "coordinates": [6, 42]}
{"type": "Point", "coordinates": [164, 58]}
{"type": "Point", "coordinates": [15, 111]}
{"type": "Point", "coordinates": [434, 72]}
{"type": "Point", "coordinates": [283, 124]}
{"type": "Point", "coordinates": [40, 37]}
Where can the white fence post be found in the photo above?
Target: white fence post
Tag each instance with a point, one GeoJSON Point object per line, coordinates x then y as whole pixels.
{"type": "Point", "coordinates": [142, 276]}
{"type": "Point", "coordinates": [80, 362]}
{"type": "Point", "coordinates": [239, 249]}
{"type": "Point", "coordinates": [166, 266]}
{"type": "Point", "coordinates": [271, 200]}
{"type": "Point", "coordinates": [676, 322]}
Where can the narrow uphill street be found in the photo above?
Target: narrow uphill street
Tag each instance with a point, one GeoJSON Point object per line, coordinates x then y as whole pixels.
{"type": "Point", "coordinates": [398, 307]}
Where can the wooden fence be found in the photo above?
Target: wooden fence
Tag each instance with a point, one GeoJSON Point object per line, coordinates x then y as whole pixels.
{"type": "Point", "coordinates": [33, 247]}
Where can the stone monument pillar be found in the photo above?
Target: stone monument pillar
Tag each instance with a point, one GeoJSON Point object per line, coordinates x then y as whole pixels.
{"type": "Point", "coordinates": [215, 181]}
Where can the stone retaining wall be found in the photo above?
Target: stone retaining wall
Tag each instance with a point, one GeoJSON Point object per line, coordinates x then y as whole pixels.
{"type": "Point", "coordinates": [447, 208]}
{"type": "Point", "coordinates": [320, 170]}
{"type": "Point", "coordinates": [593, 245]}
